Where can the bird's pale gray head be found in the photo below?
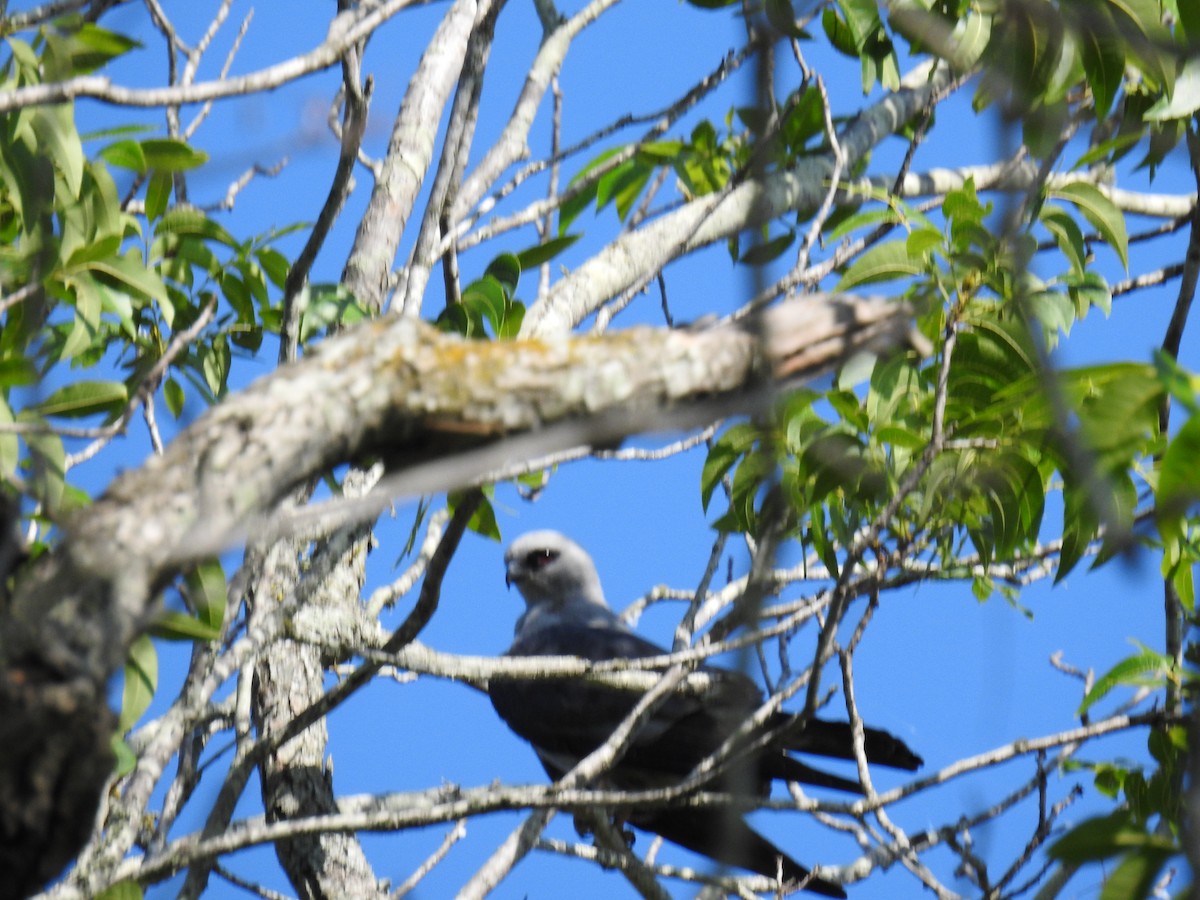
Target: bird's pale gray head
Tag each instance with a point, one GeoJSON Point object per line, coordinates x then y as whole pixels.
{"type": "Point", "coordinates": [551, 570]}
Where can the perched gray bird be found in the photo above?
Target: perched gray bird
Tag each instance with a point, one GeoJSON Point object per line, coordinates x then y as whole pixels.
{"type": "Point", "coordinates": [566, 719]}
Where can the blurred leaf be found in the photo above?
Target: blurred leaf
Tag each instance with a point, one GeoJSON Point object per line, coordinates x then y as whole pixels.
{"type": "Point", "coordinates": [506, 270]}
{"type": "Point", "coordinates": [129, 273]}
{"type": "Point", "coordinates": [206, 590]}
{"type": "Point", "coordinates": [545, 251]}
{"type": "Point", "coordinates": [214, 365]}
{"type": "Point", "coordinates": [48, 461]}
{"type": "Point", "coordinates": [483, 521]}
{"type": "Point", "coordinates": [91, 47]}
{"type": "Point", "coordinates": [514, 315]}
{"type": "Point", "coordinates": [174, 396]}
{"type": "Point", "coordinates": [187, 220]}
{"type": "Point", "coordinates": [883, 262]}
{"type": "Point", "coordinates": [176, 626]}
{"type": "Point", "coordinates": [326, 306]}
{"type": "Point", "coordinates": [734, 443]}
{"type": "Point", "coordinates": [1067, 234]}
{"type": "Point", "coordinates": [125, 760]}
{"type": "Point", "coordinates": [577, 203]}
{"type": "Point", "coordinates": [141, 681]}
{"type": "Point", "coordinates": [1134, 877]}
{"type": "Point", "coordinates": [59, 141]}
{"type": "Point", "coordinates": [485, 299]}
{"type": "Point", "coordinates": [1133, 670]}
{"type": "Point", "coordinates": [841, 38]}
{"type": "Point", "coordinates": [85, 398]}
{"type": "Point", "coordinates": [158, 194]}
{"type": "Point", "coordinates": [762, 253]}
{"type": "Point", "coordinates": [1095, 838]}
{"type": "Point", "coordinates": [1178, 479]}
{"type": "Point", "coordinates": [1100, 211]}
{"type": "Point", "coordinates": [275, 264]}
{"type": "Point", "coordinates": [169, 155]}
{"type": "Point", "coordinates": [1103, 55]}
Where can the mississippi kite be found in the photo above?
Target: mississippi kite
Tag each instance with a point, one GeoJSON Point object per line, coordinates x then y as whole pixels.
{"type": "Point", "coordinates": [566, 615]}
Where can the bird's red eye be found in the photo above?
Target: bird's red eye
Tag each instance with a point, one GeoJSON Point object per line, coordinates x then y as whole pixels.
{"type": "Point", "coordinates": [539, 559]}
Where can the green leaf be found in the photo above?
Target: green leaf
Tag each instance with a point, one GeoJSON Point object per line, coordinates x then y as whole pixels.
{"type": "Point", "coordinates": [1132, 670]}
{"type": "Point", "coordinates": [174, 396]}
{"type": "Point", "coordinates": [1067, 234]}
{"type": "Point", "coordinates": [623, 184]}
{"type": "Point", "coordinates": [1079, 527]}
{"type": "Point", "coordinates": [59, 141]}
{"type": "Point", "coordinates": [862, 18]}
{"type": "Point", "coordinates": [275, 264]}
{"type": "Point", "coordinates": [574, 205]}
{"type": "Point", "coordinates": [1185, 587]}
{"type": "Point", "coordinates": [176, 626]}
{"type": "Point", "coordinates": [170, 155]}
{"type": "Point", "coordinates": [1184, 100]}
{"type": "Point", "coordinates": [141, 681]}
{"type": "Point", "coordinates": [1093, 839]}
{"type": "Point", "coordinates": [1100, 211]}
{"type": "Point", "coordinates": [85, 398]}
{"type": "Point", "coordinates": [214, 365]}
{"type": "Point", "coordinates": [158, 194]}
{"type": "Point", "coordinates": [1103, 55]}
{"type": "Point", "coordinates": [127, 272]}
{"type": "Point", "coordinates": [484, 299]}
{"type": "Point", "coordinates": [534, 256]}
{"type": "Point", "coordinates": [48, 459]}
{"type": "Point", "coordinates": [92, 47]}
{"type": "Point", "coordinates": [1136, 874]}
{"type": "Point", "coordinates": [883, 262]}
{"type": "Point", "coordinates": [122, 890]}
{"type": "Point", "coordinates": [483, 522]}
{"type": "Point", "coordinates": [506, 270]}
{"type": "Point", "coordinates": [763, 253]}
{"type": "Point", "coordinates": [841, 38]}
{"type": "Point", "coordinates": [923, 241]}
{"type": "Point", "coordinates": [660, 152]}
{"type": "Point", "coordinates": [731, 446]}
{"type": "Point", "coordinates": [126, 154]}
{"type": "Point", "coordinates": [124, 757]}
{"type": "Point", "coordinates": [1178, 479]}
{"type": "Point", "coordinates": [187, 220]}
{"type": "Point", "coordinates": [514, 315]}
{"type": "Point", "coordinates": [10, 445]}
{"type": "Point", "coordinates": [982, 587]}
{"type": "Point", "coordinates": [206, 589]}
{"type": "Point", "coordinates": [894, 436]}
{"type": "Point", "coordinates": [327, 305]}
{"type": "Point", "coordinates": [1055, 312]}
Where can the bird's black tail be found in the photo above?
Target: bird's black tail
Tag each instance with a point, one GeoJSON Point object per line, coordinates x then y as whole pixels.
{"type": "Point", "coordinates": [723, 835]}
{"type": "Point", "coordinates": [834, 739]}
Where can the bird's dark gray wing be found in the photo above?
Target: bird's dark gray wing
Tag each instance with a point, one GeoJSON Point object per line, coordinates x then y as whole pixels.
{"type": "Point", "coordinates": [571, 717]}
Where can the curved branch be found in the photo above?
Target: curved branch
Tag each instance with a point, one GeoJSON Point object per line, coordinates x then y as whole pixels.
{"type": "Point", "coordinates": [344, 32]}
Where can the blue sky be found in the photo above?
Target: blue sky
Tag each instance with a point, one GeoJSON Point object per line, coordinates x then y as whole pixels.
{"type": "Point", "coordinates": [951, 676]}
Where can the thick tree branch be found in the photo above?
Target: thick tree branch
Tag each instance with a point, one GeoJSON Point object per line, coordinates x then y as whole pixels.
{"type": "Point", "coordinates": [409, 154]}
{"type": "Point", "coordinates": [393, 389]}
